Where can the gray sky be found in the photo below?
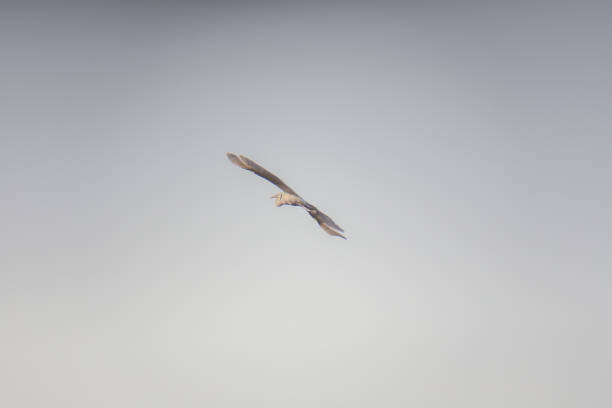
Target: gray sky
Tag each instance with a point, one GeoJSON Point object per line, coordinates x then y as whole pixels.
{"type": "Point", "coordinates": [465, 149]}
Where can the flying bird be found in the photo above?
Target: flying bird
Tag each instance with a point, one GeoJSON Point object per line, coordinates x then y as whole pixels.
{"type": "Point", "coordinates": [288, 196]}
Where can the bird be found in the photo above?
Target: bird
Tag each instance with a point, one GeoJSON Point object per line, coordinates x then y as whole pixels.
{"type": "Point", "coordinates": [288, 196]}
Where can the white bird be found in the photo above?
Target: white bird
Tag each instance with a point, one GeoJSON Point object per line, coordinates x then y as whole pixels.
{"type": "Point", "coordinates": [288, 196]}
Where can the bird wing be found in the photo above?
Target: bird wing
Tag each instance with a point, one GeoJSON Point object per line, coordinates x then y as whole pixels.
{"type": "Point", "coordinates": [250, 165]}
{"type": "Point", "coordinates": [324, 221]}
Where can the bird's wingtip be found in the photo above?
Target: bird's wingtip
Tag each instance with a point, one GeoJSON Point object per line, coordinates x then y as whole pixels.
{"type": "Point", "coordinates": [330, 230]}
{"type": "Point", "coordinates": [236, 160]}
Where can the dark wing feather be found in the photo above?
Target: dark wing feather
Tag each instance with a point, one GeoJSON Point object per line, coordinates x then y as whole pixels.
{"type": "Point", "coordinates": [248, 164]}
{"type": "Point", "coordinates": [324, 221]}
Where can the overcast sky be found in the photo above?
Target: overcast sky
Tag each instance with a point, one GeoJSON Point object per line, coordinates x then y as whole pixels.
{"type": "Point", "coordinates": [465, 148]}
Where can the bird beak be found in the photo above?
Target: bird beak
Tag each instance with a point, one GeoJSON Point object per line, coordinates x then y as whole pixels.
{"type": "Point", "coordinates": [274, 196]}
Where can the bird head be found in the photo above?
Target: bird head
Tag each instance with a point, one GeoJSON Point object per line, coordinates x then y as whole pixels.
{"type": "Point", "coordinates": [278, 197]}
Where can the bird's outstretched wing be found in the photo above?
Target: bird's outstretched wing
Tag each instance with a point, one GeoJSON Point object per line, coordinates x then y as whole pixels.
{"type": "Point", "coordinates": [248, 164]}
{"type": "Point", "coordinates": [324, 221]}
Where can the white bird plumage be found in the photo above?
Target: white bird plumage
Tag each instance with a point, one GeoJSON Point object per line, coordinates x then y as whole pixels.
{"type": "Point", "coordinates": [288, 196]}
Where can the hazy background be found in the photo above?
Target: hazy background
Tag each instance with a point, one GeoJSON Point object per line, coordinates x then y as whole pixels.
{"type": "Point", "coordinates": [465, 148]}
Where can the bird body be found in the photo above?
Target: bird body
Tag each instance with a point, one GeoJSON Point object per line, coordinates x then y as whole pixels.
{"type": "Point", "coordinates": [288, 199]}
{"type": "Point", "coordinates": [288, 196]}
